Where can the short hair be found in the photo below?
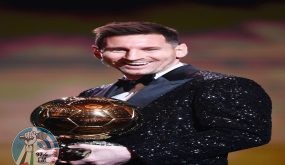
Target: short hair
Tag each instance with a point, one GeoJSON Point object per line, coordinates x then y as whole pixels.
{"type": "Point", "coordinates": [130, 28]}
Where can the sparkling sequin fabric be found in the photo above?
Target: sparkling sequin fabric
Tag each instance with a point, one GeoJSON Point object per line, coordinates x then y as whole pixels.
{"type": "Point", "coordinates": [201, 121]}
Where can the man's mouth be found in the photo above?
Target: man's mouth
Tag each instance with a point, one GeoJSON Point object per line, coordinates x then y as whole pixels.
{"type": "Point", "coordinates": [136, 63]}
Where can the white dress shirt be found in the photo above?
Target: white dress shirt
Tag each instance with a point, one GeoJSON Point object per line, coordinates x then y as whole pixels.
{"type": "Point", "coordinates": [127, 95]}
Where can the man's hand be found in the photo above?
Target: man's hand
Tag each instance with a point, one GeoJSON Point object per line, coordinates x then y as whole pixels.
{"type": "Point", "coordinates": [103, 155]}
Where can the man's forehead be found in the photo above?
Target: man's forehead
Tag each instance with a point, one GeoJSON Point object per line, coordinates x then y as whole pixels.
{"type": "Point", "coordinates": [136, 37]}
{"type": "Point", "coordinates": [145, 39]}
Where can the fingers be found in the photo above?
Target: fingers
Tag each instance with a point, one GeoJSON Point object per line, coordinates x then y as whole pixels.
{"type": "Point", "coordinates": [51, 159]}
{"type": "Point", "coordinates": [95, 145]}
{"type": "Point", "coordinates": [85, 146]}
{"type": "Point", "coordinates": [81, 162]}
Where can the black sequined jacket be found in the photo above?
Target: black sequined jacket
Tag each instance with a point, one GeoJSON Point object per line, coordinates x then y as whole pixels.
{"type": "Point", "coordinates": [195, 117]}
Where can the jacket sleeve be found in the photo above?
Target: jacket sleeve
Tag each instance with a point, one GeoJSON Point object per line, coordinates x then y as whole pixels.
{"type": "Point", "coordinates": [232, 114]}
{"type": "Point", "coordinates": [228, 114]}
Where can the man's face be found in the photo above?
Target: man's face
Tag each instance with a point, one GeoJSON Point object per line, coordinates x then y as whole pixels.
{"type": "Point", "coordinates": [138, 55]}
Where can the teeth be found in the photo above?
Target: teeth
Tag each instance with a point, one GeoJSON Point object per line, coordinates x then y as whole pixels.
{"type": "Point", "coordinates": [138, 63]}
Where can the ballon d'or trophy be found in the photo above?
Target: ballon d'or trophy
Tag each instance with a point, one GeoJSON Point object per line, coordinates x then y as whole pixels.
{"type": "Point", "coordinates": [76, 120]}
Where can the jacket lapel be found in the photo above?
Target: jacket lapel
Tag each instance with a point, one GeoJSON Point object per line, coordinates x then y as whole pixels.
{"type": "Point", "coordinates": [163, 85]}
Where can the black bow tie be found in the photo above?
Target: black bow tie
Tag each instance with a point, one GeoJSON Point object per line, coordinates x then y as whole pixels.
{"type": "Point", "coordinates": [129, 84]}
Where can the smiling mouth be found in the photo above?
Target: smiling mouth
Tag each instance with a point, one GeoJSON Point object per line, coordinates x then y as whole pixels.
{"type": "Point", "coordinates": [136, 63]}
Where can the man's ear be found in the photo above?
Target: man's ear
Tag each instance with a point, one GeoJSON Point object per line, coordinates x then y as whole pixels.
{"type": "Point", "coordinates": [97, 53]}
{"type": "Point", "coordinates": [181, 50]}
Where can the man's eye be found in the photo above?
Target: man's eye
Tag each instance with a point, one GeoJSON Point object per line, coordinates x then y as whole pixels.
{"type": "Point", "coordinates": [116, 51]}
{"type": "Point", "coordinates": [119, 51]}
{"type": "Point", "coordinates": [150, 49]}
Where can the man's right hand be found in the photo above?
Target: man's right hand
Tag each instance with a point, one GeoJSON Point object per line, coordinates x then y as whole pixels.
{"type": "Point", "coordinates": [103, 155]}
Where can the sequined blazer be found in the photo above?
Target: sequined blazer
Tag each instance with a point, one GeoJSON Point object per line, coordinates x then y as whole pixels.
{"type": "Point", "coordinates": [189, 116]}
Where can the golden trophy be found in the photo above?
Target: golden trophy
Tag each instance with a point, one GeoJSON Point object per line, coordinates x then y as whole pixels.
{"type": "Point", "coordinates": [84, 120]}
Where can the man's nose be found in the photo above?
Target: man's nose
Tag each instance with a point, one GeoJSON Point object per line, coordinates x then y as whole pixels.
{"type": "Point", "coordinates": [132, 55]}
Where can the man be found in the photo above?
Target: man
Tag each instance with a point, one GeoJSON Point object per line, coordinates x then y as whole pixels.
{"type": "Point", "coordinates": [189, 116]}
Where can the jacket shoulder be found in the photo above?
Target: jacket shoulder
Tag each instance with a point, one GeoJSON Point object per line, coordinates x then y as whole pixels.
{"type": "Point", "coordinates": [228, 83]}
{"type": "Point", "coordinates": [222, 79]}
{"type": "Point", "coordinates": [210, 76]}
